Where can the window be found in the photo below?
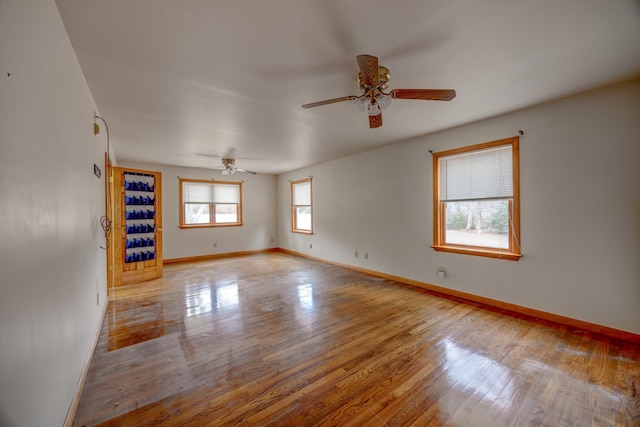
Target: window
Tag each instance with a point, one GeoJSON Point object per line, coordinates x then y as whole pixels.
{"type": "Point", "coordinates": [477, 200]}
{"type": "Point", "coordinates": [210, 204]}
{"type": "Point", "coordinates": [301, 211]}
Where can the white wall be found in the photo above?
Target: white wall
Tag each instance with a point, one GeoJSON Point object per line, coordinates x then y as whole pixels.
{"type": "Point", "coordinates": [52, 269]}
{"type": "Point", "coordinates": [258, 212]}
{"type": "Point", "coordinates": [580, 202]}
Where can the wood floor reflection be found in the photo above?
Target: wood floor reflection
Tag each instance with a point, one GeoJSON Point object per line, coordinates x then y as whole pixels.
{"type": "Point", "coordinates": [273, 339]}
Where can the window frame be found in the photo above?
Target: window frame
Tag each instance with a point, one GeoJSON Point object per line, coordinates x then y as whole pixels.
{"type": "Point", "coordinates": [212, 206]}
{"type": "Point", "coordinates": [513, 253]}
{"type": "Point", "coordinates": [294, 215]}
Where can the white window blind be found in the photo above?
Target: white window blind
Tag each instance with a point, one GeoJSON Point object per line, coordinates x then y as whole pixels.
{"type": "Point", "coordinates": [480, 175]}
{"type": "Point", "coordinates": [197, 192]}
{"type": "Point", "coordinates": [302, 194]}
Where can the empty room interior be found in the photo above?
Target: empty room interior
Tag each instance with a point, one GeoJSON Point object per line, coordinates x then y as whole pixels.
{"type": "Point", "coordinates": [320, 212]}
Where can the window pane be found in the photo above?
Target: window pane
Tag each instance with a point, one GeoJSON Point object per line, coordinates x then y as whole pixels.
{"type": "Point", "coordinates": [197, 192]}
{"type": "Point", "coordinates": [196, 213]}
{"type": "Point", "coordinates": [477, 175]}
{"type": "Point", "coordinates": [226, 213]}
{"type": "Point", "coordinates": [226, 193]}
{"type": "Point", "coordinates": [302, 193]}
{"type": "Point", "coordinates": [303, 218]}
{"type": "Point", "coordinates": [478, 223]}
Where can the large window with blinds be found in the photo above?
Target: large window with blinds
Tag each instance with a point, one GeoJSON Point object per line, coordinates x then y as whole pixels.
{"type": "Point", "coordinates": [477, 200]}
{"type": "Point", "coordinates": [301, 206]}
{"type": "Point", "coordinates": [210, 204]}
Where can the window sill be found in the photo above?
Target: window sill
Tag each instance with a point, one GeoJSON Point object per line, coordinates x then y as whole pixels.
{"type": "Point", "coordinates": [209, 225]}
{"type": "Point", "coordinates": [490, 253]}
{"type": "Point", "coordinates": [301, 231]}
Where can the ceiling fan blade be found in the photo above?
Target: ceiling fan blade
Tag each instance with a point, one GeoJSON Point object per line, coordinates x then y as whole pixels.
{"type": "Point", "coordinates": [424, 94]}
{"type": "Point", "coordinates": [329, 101]}
{"type": "Point", "coordinates": [375, 121]}
{"type": "Point", "coordinates": [247, 171]}
{"type": "Point", "coordinates": [369, 69]}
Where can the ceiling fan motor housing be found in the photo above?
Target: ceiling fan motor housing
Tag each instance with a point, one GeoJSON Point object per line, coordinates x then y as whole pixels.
{"type": "Point", "coordinates": [383, 72]}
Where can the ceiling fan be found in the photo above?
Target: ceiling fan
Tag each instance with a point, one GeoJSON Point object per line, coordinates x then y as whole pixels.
{"type": "Point", "coordinates": [373, 80]}
{"type": "Point", "coordinates": [229, 167]}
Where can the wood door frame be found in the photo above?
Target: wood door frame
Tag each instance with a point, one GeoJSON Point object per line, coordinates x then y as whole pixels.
{"type": "Point", "coordinates": [108, 166]}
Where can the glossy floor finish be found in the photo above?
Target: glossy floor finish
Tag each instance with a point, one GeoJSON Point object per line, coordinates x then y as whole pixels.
{"type": "Point", "coordinates": [273, 339]}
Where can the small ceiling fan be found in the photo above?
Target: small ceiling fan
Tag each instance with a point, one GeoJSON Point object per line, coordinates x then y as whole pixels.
{"type": "Point", "coordinates": [373, 80]}
{"type": "Point", "coordinates": [229, 167]}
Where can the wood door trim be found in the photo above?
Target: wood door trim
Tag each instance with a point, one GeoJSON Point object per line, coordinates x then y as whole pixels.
{"type": "Point", "coordinates": [108, 166]}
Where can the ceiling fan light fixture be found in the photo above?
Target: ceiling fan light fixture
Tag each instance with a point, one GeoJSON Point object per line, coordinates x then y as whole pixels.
{"type": "Point", "coordinates": [384, 100]}
{"type": "Point", "coordinates": [374, 108]}
{"type": "Point", "coordinates": [229, 166]}
{"type": "Point", "coordinates": [361, 102]}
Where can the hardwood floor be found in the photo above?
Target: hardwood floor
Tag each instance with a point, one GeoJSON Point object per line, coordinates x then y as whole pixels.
{"type": "Point", "coordinates": [274, 339]}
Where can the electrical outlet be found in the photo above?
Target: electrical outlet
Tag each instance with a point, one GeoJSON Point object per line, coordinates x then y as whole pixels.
{"type": "Point", "coordinates": [441, 273]}
{"type": "Point", "coordinates": [215, 244]}
{"type": "Point", "coordinates": [366, 255]}
{"type": "Point", "coordinates": [355, 254]}
{"type": "Point", "coordinates": [310, 246]}
{"type": "Point", "coordinates": [272, 240]}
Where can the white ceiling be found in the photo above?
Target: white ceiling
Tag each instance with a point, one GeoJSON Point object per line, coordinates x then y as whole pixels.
{"type": "Point", "coordinates": [177, 79]}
